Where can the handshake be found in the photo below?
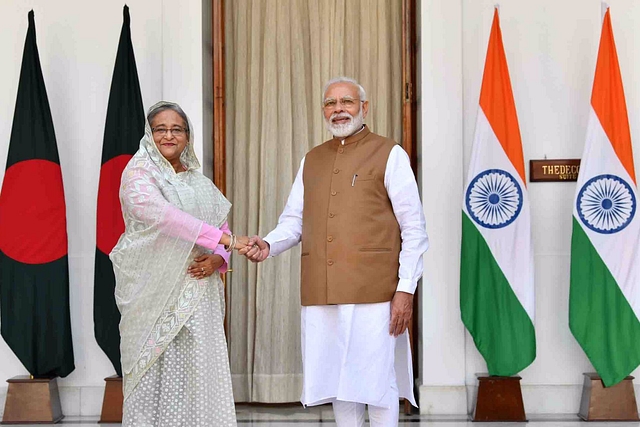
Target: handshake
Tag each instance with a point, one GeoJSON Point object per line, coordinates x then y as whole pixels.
{"type": "Point", "coordinates": [254, 248]}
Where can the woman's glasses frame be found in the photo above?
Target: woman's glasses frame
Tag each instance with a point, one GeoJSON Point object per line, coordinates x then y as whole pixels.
{"type": "Point", "coordinates": [176, 131]}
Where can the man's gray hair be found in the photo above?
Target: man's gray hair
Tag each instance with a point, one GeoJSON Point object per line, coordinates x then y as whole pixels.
{"type": "Point", "coordinates": [361, 93]}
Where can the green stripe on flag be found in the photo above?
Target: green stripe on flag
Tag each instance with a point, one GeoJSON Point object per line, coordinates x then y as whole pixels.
{"type": "Point", "coordinates": [600, 317]}
{"type": "Point", "coordinates": [500, 327]}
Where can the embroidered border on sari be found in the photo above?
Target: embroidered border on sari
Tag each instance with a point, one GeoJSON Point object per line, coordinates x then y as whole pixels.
{"type": "Point", "coordinates": [166, 328]}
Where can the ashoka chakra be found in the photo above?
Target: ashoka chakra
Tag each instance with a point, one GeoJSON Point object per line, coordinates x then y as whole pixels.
{"type": "Point", "coordinates": [606, 204]}
{"type": "Point", "coordinates": [494, 198]}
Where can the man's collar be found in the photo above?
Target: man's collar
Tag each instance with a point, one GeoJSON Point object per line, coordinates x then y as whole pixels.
{"type": "Point", "coordinates": [354, 137]}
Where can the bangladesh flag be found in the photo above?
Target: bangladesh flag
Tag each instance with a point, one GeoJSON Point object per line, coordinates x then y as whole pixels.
{"type": "Point", "coordinates": [604, 301]}
{"type": "Point", "coordinates": [496, 271]}
{"type": "Point", "coordinates": [124, 128]}
{"type": "Point", "coordinates": [34, 267]}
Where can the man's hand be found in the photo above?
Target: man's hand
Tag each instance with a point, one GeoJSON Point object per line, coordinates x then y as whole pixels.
{"type": "Point", "coordinates": [401, 310]}
{"type": "Point", "coordinates": [204, 265]}
{"type": "Point", "coordinates": [257, 250]}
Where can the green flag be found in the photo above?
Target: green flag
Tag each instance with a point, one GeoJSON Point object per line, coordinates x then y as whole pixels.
{"type": "Point", "coordinates": [34, 272]}
{"type": "Point", "coordinates": [123, 130]}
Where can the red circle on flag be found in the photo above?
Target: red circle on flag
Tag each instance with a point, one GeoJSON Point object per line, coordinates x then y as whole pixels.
{"type": "Point", "coordinates": [33, 225]}
{"type": "Point", "coordinates": [110, 222]}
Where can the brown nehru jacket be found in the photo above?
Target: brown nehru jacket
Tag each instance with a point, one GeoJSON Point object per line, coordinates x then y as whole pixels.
{"type": "Point", "coordinates": [350, 236]}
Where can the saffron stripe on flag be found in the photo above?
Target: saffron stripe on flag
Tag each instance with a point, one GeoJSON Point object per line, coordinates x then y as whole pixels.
{"type": "Point", "coordinates": [496, 99]}
{"type": "Point", "coordinates": [608, 100]}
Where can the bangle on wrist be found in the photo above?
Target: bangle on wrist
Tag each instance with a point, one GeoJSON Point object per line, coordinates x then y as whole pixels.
{"type": "Point", "coordinates": [232, 243]}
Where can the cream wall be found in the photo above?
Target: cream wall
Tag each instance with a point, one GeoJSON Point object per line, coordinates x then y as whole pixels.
{"type": "Point", "coordinates": [77, 42]}
{"type": "Point", "coordinates": [551, 48]}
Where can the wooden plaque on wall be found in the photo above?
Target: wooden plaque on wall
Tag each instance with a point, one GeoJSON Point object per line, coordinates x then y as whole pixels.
{"type": "Point", "coordinates": [556, 170]}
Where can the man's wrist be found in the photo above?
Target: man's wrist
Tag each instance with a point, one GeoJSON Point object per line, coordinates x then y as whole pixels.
{"type": "Point", "coordinates": [403, 292]}
{"type": "Point", "coordinates": [406, 285]}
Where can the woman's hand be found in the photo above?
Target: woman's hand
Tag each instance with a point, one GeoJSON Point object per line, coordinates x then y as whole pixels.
{"type": "Point", "coordinates": [204, 265]}
{"type": "Point", "coordinates": [225, 239]}
{"type": "Point", "coordinates": [241, 242]}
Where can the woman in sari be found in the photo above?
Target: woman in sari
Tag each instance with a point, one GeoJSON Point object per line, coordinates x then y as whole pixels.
{"type": "Point", "coordinates": [168, 288]}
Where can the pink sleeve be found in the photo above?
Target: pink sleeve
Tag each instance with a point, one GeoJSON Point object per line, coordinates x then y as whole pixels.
{"type": "Point", "coordinates": [209, 238]}
{"type": "Point", "coordinates": [222, 252]}
{"type": "Point", "coordinates": [173, 225]}
{"type": "Point", "coordinates": [142, 199]}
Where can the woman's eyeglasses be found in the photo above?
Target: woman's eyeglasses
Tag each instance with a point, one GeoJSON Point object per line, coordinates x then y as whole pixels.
{"type": "Point", "coordinates": [177, 132]}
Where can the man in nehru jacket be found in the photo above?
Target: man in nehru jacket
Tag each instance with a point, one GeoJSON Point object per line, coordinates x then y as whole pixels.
{"type": "Point", "coordinates": [363, 236]}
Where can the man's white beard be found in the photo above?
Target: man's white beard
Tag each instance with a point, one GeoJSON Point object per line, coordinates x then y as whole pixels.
{"type": "Point", "coordinates": [345, 129]}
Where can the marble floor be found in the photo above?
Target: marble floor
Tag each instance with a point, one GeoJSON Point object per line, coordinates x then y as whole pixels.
{"type": "Point", "coordinates": [296, 415]}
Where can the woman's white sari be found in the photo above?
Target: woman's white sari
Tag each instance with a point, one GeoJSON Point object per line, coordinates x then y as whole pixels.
{"type": "Point", "coordinates": [174, 357]}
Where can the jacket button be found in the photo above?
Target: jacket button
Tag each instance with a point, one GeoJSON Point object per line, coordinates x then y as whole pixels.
{"type": "Point", "coordinates": [330, 239]}
{"type": "Point", "coordinates": [340, 150]}
{"type": "Point", "coordinates": [331, 214]}
{"type": "Point", "coordinates": [336, 170]}
{"type": "Point", "coordinates": [333, 193]}
{"type": "Point", "coordinates": [330, 262]}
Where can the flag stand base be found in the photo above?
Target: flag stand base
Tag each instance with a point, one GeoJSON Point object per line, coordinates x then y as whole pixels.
{"type": "Point", "coordinates": [499, 399]}
{"type": "Point", "coordinates": [112, 402]}
{"type": "Point", "coordinates": [616, 403]}
{"type": "Point", "coordinates": [32, 401]}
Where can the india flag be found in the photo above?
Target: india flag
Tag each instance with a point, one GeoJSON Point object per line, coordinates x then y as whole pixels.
{"type": "Point", "coordinates": [604, 303]}
{"type": "Point", "coordinates": [496, 271]}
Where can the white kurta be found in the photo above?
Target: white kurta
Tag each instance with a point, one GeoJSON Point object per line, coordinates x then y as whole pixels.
{"type": "Point", "coordinates": [347, 351]}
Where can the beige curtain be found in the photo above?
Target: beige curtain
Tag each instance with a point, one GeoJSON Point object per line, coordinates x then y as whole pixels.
{"type": "Point", "coordinates": [279, 54]}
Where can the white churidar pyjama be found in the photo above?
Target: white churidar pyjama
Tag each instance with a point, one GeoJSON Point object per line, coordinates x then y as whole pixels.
{"type": "Point", "coordinates": [350, 414]}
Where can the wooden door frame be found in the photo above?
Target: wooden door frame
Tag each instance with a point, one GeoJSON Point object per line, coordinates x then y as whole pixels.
{"type": "Point", "coordinates": [409, 114]}
{"type": "Point", "coordinates": [409, 72]}
{"type": "Point", "coordinates": [219, 119]}
{"type": "Point", "coordinates": [410, 139]}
